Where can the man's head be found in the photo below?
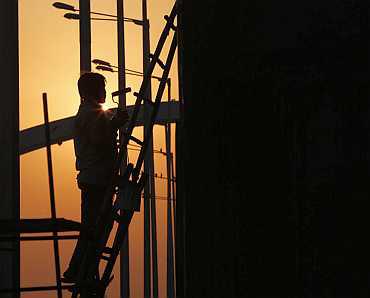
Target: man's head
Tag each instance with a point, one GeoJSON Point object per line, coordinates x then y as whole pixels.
{"type": "Point", "coordinates": [91, 86]}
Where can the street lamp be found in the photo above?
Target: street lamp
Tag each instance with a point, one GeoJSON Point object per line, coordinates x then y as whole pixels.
{"type": "Point", "coordinates": [111, 69]}
{"type": "Point", "coordinates": [72, 16]}
{"type": "Point", "coordinates": [107, 66]}
{"type": "Point", "coordinates": [64, 6]}
{"type": "Point", "coordinates": [76, 16]}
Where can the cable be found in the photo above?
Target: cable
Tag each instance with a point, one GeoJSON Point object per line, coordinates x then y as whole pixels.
{"type": "Point", "coordinates": [160, 198]}
{"type": "Point", "coordinates": [155, 150]}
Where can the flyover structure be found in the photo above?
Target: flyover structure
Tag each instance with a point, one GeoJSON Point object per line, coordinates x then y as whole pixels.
{"type": "Point", "coordinates": [61, 130]}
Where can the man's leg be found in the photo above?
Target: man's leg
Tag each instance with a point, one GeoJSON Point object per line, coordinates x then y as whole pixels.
{"type": "Point", "coordinates": [92, 197]}
{"type": "Point", "coordinates": [95, 207]}
{"type": "Point", "coordinates": [71, 273]}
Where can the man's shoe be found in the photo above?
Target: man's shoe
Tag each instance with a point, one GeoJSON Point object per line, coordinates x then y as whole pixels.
{"type": "Point", "coordinates": [69, 276]}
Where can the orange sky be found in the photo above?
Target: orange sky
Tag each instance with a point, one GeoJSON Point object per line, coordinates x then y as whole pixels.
{"type": "Point", "coordinates": [49, 62]}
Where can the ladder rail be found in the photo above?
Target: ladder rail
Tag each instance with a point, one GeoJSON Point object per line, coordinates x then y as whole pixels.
{"type": "Point", "coordinates": [118, 241]}
{"type": "Point", "coordinates": [137, 106]}
{"type": "Point", "coordinates": [123, 226]}
{"type": "Point", "coordinates": [158, 99]}
{"type": "Point", "coordinates": [140, 96]}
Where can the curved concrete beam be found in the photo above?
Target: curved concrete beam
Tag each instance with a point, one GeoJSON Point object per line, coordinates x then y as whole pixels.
{"type": "Point", "coordinates": [33, 138]}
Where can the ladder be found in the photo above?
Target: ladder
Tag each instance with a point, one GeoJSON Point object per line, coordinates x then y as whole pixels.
{"type": "Point", "coordinates": [126, 187]}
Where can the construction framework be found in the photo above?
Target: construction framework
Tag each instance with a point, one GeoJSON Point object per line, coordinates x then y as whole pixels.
{"type": "Point", "coordinates": [125, 187]}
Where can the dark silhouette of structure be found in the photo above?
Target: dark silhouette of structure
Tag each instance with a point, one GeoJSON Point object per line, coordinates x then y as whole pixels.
{"type": "Point", "coordinates": [273, 149]}
{"type": "Point", "coordinates": [9, 158]}
{"type": "Point", "coordinates": [272, 186]}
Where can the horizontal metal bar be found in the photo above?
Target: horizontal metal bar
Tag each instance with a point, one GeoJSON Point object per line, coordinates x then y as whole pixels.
{"type": "Point", "coordinates": [38, 225]}
{"type": "Point", "coordinates": [38, 238]}
{"type": "Point", "coordinates": [35, 289]}
{"type": "Point", "coordinates": [136, 140]}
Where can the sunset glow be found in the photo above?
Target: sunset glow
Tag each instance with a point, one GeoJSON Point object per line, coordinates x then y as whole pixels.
{"type": "Point", "coordinates": [105, 107]}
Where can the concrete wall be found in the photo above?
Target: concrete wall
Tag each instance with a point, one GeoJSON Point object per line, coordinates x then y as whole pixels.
{"type": "Point", "coordinates": [273, 194]}
{"type": "Point", "coordinates": [9, 127]}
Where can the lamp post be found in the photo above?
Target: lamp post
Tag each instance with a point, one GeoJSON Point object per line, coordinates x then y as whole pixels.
{"type": "Point", "coordinates": [149, 189]}
{"type": "Point", "coordinates": [85, 36]}
{"type": "Point", "coordinates": [124, 254]}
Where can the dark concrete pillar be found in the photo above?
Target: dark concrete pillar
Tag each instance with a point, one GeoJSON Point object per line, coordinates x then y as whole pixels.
{"type": "Point", "coordinates": [85, 36]}
{"type": "Point", "coordinates": [9, 127]}
{"type": "Point", "coordinates": [272, 149]}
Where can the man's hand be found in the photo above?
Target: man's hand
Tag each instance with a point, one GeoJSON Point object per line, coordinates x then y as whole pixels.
{"type": "Point", "coordinates": [120, 118]}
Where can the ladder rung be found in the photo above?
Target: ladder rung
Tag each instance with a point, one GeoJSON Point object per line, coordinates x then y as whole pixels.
{"type": "Point", "coordinates": [173, 27]}
{"type": "Point", "coordinates": [149, 102]}
{"type": "Point", "coordinates": [136, 140]}
{"type": "Point", "coordinates": [107, 250]}
{"type": "Point", "coordinates": [145, 99]}
{"type": "Point", "coordinates": [117, 217]}
{"type": "Point", "coordinates": [118, 92]}
{"type": "Point", "coordinates": [109, 281]}
{"type": "Point", "coordinates": [159, 61]}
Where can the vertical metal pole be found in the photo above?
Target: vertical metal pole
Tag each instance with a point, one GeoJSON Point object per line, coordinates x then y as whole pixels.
{"type": "Point", "coordinates": [147, 162]}
{"type": "Point", "coordinates": [124, 254]}
{"type": "Point", "coordinates": [173, 179]}
{"type": "Point", "coordinates": [85, 36]}
{"type": "Point", "coordinates": [180, 210]}
{"type": "Point", "coordinates": [170, 266]}
{"type": "Point", "coordinates": [9, 140]}
{"type": "Point", "coordinates": [153, 216]}
{"type": "Point", "coordinates": [52, 194]}
{"type": "Point", "coordinates": [172, 165]}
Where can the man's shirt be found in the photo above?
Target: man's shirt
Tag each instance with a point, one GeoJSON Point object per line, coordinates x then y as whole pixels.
{"type": "Point", "coordinates": [95, 144]}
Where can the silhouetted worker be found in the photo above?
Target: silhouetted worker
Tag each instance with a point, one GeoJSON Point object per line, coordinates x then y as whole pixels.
{"type": "Point", "coordinates": [95, 144]}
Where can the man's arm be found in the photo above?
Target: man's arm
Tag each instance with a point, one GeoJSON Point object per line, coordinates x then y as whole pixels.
{"type": "Point", "coordinates": [103, 129]}
{"type": "Point", "coordinates": [120, 118]}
